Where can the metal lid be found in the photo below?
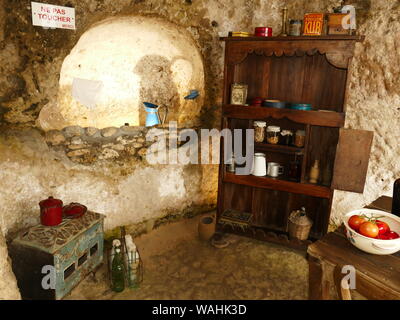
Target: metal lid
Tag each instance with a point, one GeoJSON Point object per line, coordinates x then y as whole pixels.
{"type": "Point", "coordinates": [300, 133]}
{"type": "Point", "coordinates": [273, 129]}
{"type": "Point", "coordinates": [260, 124]}
{"type": "Point", "coordinates": [50, 202]}
{"type": "Point", "coordinates": [287, 133]}
{"type": "Point", "coordinates": [74, 210]}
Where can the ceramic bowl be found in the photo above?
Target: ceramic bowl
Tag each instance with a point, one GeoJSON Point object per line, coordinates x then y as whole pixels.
{"type": "Point", "coordinates": [274, 104]}
{"type": "Point", "coordinates": [371, 245]}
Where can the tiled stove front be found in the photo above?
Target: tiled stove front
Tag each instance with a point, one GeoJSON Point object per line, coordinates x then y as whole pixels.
{"type": "Point", "coordinates": [72, 250]}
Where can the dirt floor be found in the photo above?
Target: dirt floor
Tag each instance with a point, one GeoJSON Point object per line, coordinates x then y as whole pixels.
{"type": "Point", "coordinates": [177, 265]}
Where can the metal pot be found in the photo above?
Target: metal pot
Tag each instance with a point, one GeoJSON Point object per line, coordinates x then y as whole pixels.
{"type": "Point", "coordinates": [51, 212]}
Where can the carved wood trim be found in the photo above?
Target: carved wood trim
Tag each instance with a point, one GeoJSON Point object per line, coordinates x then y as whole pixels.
{"type": "Point", "coordinates": [337, 53]}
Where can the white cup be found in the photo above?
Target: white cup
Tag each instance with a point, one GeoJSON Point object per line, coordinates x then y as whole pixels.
{"type": "Point", "coordinates": [274, 169]}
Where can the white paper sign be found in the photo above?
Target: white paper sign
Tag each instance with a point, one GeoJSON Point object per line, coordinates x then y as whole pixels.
{"type": "Point", "coordinates": [86, 91]}
{"type": "Point", "coordinates": [51, 16]}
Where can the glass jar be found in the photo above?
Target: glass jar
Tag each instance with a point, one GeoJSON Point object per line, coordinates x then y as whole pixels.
{"type": "Point", "coordinates": [300, 138]}
{"type": "Point", "coordinates": [286, 137]}
{"type": "Point", "coordinates": [259, 131]}
{"type": "Point", "coordinates": [273, 134]}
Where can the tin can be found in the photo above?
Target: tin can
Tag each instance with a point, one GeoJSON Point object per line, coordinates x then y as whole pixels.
{"type": "Point", "coordinates": [263, 32]}
{"type": "Point", "coordinates": [295, 28]}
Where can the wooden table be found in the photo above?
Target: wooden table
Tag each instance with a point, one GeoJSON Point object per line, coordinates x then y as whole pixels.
{"type": "Point", "coordinates": [377, 277]}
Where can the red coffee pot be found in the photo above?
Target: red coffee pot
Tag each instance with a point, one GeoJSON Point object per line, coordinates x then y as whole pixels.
{"type": "Point", "coordinates": [51, 212]}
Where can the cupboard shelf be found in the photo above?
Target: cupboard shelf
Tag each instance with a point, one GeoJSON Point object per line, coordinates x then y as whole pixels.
{"type": "Point", "coordinates": [279, 184]}
{"type": "Point", "coordinates": [264, 234]}
{"type": "Point", "coordinates": [278, 148]}
{"type": "Point", "coordinates": [316, 118]}
{"type": "Point", "coordinates": [296, 38]}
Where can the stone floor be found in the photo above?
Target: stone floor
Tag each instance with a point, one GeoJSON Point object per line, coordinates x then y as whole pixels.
{"type": "Point", "coordinates": [177, 265]}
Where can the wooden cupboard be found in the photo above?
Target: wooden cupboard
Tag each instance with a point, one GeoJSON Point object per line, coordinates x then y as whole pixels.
{"type": "Point", "coordinates": [293, 69]}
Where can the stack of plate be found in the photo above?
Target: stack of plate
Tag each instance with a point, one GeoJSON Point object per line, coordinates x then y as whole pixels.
{"type": "Point", "coordinates": [301, 106]}
{"type": "Point", "coordinates": [240, 34]}
{"type": "Point", "coordinates": [274, 104]}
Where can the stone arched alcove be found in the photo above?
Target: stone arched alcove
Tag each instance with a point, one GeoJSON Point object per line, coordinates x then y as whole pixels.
{"type": "Point", "coordinates": [132, 59]}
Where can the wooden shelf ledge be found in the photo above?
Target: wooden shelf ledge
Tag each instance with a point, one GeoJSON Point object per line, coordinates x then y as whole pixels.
{"type": "Point", "coordinates": [265, 235]}
{"type": "Point", "coordinates": [278, 148]}
{"type": "Point", "coordinates": [316, 118]}
{"type": "Point", "coordinates": [280, 185]}
{"type": "Point", "coordinates": [357, 38]}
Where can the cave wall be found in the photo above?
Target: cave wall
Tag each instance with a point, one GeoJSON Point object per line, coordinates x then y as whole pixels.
{"type": "Point", "coordinates": [30, 63]}
{"type": "Point", "coordinates": [31, 59]}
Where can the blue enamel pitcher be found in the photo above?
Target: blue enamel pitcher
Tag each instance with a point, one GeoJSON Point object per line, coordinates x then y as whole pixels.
{"type": "Point", "coordinates": [153, 115]}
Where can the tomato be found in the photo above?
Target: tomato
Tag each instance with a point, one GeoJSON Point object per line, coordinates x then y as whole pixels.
{"type": "Point", "coordinates": [383, 227]}
{"type": "Point", "coordinates": [392, 235]}
{"type": "Point", "coordinates": [369, 229]}
{"type": "Point", "coordinates": [355, 222]}
{"type": "Point", "coordinates": [383, 237]}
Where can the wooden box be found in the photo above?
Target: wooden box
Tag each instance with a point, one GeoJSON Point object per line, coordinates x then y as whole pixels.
{"type": "Point", "coordinates": [49, 261]}
{"type": "Point", "coordinates": [335, 24]}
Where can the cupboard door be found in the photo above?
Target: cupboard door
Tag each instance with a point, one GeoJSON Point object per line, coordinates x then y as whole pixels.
{"type": "Point", "coordinates": [352, 158]}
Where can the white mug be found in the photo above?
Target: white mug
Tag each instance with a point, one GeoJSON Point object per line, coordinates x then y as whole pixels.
{"type": "Point", "coordinates": [259, 165]}
{"type": "Point", "coordinates": [274, 169]}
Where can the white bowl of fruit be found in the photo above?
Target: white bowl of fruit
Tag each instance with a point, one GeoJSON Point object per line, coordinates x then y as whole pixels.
{"type": "Point", "coordinates": [373, 231]}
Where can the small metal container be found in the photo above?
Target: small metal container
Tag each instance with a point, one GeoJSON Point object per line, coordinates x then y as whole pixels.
{"type": "Point", "coordinates": [263, 32]}
{"type": "Point", "coordinates": [295, 28]}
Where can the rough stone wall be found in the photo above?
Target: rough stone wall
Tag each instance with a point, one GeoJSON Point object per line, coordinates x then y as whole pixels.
{"type": "Point", "coordinates": [8, 284]}
{"type": "Point", "coordinates": [374, 102]}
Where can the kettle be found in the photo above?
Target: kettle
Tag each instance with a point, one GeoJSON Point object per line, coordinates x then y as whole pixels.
{"type": "Point", "coordinates": [51, 212]}
{"type": "Point", "coordinates": [153, 115]}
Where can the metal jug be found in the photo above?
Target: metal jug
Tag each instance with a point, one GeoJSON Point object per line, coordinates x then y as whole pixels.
{"type": "Point", "coordinates": [153, 114]}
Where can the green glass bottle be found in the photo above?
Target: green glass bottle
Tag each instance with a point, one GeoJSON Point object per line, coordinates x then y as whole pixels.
{"type": "Point", "coordinates": [118, 271]}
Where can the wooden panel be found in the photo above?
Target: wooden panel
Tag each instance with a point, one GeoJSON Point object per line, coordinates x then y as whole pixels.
{"type": "Point", "coordinates": [237, 197]}
{"type": "Point", "coordinates": [322, 147]}
{"type": "Point", "coordinates": [317, 118]}
{"type": "Point", "coordinates": [352, 158]}
{"type": "Point", "coordinates": [282, 185]}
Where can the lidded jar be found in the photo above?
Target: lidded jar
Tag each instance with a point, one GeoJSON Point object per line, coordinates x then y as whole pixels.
{"type": "Point", "coordinates": [259, 131]}
{"type": "Point", "coordinates": [300, 138]}
{"type": "Point", "coordinates": [51, 212]}
{"type": "Point", "coordinates": [286, 137]}
{"type": "Point", "coordinates": [273, 134]}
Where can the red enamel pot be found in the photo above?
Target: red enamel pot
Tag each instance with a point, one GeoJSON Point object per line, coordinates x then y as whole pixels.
{"type": "Point", "coordinates": [51, 212]}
